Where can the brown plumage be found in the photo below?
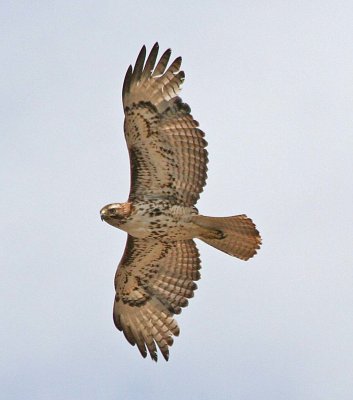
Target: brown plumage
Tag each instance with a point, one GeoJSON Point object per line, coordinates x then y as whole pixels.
{"type": "Point", "coordinates": [168, 161]}
{"type": "Point", "coordinates": [167, 150]}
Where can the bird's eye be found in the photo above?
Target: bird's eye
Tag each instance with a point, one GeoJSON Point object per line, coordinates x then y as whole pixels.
{"type": "Point", "coordinates": [115, 213]}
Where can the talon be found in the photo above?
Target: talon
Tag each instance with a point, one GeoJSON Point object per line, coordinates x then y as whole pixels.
{"type": "Point", "coordinates": [219, 234]}
{"type": "Point", "coordinates": [213, 234]}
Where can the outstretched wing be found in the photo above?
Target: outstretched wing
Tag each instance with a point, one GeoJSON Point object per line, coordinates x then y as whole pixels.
{"type": "Point", "coordinates": [153, 281]}
{"type": "Point", "coordinates": [167, 150]}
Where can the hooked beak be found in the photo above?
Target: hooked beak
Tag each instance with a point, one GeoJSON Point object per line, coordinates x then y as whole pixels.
{"type": "Point", "coordinates": [102, 214]}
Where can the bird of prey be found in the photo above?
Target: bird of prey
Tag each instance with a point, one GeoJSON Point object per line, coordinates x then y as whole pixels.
{"type": "Point", "coordinates": [168, 161]}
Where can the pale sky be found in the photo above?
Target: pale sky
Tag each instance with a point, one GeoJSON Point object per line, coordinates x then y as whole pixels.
{"type": "Point", "coordinates": [271, 84]}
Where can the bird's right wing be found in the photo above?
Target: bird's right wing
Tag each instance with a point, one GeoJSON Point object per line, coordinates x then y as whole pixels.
{"type": "Point", "coordinates": [168, 156]}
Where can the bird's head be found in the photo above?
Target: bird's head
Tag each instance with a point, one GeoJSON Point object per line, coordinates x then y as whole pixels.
{"type": "Point", "coordinates": [116, 214]}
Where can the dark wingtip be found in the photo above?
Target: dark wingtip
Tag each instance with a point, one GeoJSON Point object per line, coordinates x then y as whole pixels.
{"type": "Point", "coordinates": [127, 81]}
{"type": "Point", "coordinates": [142, 351]}
{"type": "Point", "coordinates": [178, 60]}
{"type": "Point", "coordinates": [166, 55]}
{"type": "Point", "coordinates": [142, 51]}
{"type": "Point", "coordinates": [136, 74]}
{"type": "Point", "coordinates": [165, 355]}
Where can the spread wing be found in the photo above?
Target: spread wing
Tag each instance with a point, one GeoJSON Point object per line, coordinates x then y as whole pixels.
{"type": "Point", "coordinates": [153, 281]}
{"type": "Point", "coordinates": [167, 150]}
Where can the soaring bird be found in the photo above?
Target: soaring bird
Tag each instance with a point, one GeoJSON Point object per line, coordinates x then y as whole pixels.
{"type": "Point", "coordinates": [168, 161]}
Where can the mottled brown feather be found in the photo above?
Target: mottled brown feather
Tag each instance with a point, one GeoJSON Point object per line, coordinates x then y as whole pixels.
{"type": "Point", "coordinates": [153, 282]}
{"type": "Point", "coordinates": [167, 150]}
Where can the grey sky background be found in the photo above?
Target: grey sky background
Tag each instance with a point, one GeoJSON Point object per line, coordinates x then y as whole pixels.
{"type": "Point", "coordinates": [271, 84]}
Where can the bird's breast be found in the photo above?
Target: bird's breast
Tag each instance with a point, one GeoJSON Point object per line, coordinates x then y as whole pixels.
{"type": "Point", "coordinates": [158, 222]}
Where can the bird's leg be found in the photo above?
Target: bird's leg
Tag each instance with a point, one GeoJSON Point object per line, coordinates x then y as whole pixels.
{"type": "Point", "coordinates": [209, 233]}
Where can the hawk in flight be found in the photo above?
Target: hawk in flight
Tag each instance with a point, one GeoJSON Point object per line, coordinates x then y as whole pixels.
{"type": "Point", "coordinates": [168, 160]}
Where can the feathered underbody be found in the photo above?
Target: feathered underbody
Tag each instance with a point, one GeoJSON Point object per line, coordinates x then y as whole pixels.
{"type": "Point", "coordinates": [168, 161]}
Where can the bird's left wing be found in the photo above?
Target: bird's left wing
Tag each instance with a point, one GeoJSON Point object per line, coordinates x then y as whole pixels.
{"type": "Point", "coordinates": [153, 281]}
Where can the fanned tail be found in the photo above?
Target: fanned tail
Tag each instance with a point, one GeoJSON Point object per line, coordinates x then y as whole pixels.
{"type": "Point", "coordinates": [236, 235]}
